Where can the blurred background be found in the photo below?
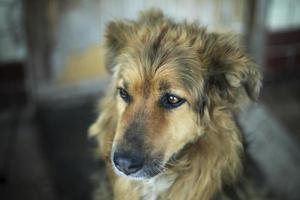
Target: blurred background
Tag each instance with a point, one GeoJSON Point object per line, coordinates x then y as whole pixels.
{"type": "Point", "coordinates": [52, 73]}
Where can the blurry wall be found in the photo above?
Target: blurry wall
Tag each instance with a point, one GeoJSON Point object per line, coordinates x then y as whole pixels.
{"type": "Point", "coordinates": [12, 38]}
{"type": "Point", "coordinates": [13, 53]}
{"type": "Point", "coordinates": [283, 15]}
{"type": "Point", "coordinates": [282, 39]}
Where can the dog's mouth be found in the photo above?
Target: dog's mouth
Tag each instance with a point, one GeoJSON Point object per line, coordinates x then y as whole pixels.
{"type": "Point", "coordinates": [136, 167]}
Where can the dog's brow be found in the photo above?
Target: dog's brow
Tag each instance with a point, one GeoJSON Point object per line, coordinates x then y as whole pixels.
{"type": "Point", "coordinates": [124, 84]}
{"type": "Point", "coordinates": [164, 85]}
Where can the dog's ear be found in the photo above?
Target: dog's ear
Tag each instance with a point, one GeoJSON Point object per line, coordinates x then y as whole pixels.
{"type": "Point", "coordinates": [232, 78]}
{"type": "Point", "coordinates": [117, 35]}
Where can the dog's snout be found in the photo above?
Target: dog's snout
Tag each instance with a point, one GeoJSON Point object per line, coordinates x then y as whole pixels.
{"type": "Point", "coordinates": [127, 163]}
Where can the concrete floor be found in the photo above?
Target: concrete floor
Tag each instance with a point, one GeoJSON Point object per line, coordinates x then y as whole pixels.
{"type": "Point", "coordinates": [50, 155]}
{"type": "Point", "coordinates": [275, 153]}
{"type": "Point", "coordinates": [68, 149]}
{"type": "Point", "coordinates": [282, 100]}
{"type": "Point", "coordinates": [24, 170]}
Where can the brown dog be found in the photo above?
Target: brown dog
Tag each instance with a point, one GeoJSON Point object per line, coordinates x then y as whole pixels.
{"type": "Point", "coordinates": [167, 128]}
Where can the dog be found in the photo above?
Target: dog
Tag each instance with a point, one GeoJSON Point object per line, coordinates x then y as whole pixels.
{"type": "Point", "coordinates": [167, 128]}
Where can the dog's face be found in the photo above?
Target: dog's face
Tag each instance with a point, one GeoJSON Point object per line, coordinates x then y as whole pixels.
{"type": "Point", "coordinates": [166, 76]}
{"type": "Point", "coordinates": [156, 119]}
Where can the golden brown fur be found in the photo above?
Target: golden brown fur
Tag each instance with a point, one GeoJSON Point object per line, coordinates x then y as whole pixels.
{"type": "Point", "coordinates": [197, 145]}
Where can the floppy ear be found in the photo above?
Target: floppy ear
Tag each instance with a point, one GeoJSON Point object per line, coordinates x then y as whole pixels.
{"type": "Point", "coordinates": [232, 77]}
{"type": "Point", "coordinates": [117, 35]}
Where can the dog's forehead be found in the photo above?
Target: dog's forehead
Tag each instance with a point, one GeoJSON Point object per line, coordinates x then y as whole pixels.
{"type": "Point", "coordinates": [148, 67]}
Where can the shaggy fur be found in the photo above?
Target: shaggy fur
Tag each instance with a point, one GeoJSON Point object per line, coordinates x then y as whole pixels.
{"type": "Point", "coordinates": [192, 151]}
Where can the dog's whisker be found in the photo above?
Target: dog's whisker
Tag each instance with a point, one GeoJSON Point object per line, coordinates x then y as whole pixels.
{"type": "Point", "coordinates": [160, 167]}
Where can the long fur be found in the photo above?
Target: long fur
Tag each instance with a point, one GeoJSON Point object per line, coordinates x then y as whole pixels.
{"type": "Point", "coordinates": [222, 80]}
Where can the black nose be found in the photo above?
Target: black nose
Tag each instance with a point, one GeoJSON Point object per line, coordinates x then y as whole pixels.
{"type": "Point", "coordinates": [128, 163]}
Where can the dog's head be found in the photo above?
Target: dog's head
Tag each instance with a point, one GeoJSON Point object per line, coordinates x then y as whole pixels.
{"type": "Point", "coordinates": [168, 77]}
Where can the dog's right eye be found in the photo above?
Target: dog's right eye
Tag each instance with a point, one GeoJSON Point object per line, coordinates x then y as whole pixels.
{"type": "Point", "coordinates": [124, 95]}
{"type": "Point", "coordinates": [171, 101]}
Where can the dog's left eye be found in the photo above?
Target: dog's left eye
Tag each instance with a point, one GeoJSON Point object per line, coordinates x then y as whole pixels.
{"type": "Point", "coordinates": [124, 95]}
{"type": "Point", "coordinates": [170, 101]}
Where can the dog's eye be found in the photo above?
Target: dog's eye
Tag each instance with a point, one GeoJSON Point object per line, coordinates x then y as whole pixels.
{"type": "Point", "coordinates": [124, 95]}
{"type": "Point", "coordinates": [170, 101]}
